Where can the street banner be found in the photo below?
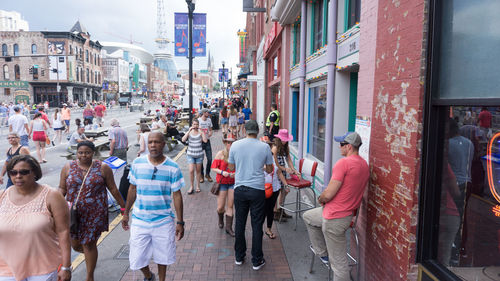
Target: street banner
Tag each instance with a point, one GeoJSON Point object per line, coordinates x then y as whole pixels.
{"type": "Point", "coordinates": [223, 74]}
{"type": "Point", "coordinates": [242, 34]}
{"type": "Point", "coordinates": [181, 34]}
{"type": "Point", "coordinates": [181, 30]}
{"type": "Point", "coordinates": [199, 35]}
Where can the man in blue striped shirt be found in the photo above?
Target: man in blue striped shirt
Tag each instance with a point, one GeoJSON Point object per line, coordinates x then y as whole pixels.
{"type": "Point", "coordinates": [155, 180]}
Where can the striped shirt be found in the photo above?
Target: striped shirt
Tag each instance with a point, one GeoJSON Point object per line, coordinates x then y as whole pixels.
{"type": "Point", "coordinates": [194, 146]}
{"type": "Point", "coordinates": [154, 191]}
{"type": "Point", "coordinates": [120, 136]}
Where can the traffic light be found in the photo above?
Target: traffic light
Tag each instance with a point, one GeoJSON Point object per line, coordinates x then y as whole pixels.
{"type": "Point", "coordinates": [228, 84]}
{"type": "Point", "coordinates": [31, 70]}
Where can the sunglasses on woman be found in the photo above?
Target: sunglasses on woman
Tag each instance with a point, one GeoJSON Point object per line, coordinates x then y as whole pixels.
{"type": "Point", "coordinates": [23, 172]}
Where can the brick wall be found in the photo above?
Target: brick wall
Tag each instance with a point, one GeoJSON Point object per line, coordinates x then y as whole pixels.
{"type": "Point", "coordinates": [367, 44]}
{"type": "Point", "coordinates": [389, 228]}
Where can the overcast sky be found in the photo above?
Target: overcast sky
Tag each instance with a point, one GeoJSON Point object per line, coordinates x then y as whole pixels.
{"type": "Point", "coordinates": [138, 18]}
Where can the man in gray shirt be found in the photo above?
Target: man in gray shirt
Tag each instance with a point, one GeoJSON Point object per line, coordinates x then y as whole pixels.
{"type": "Point", "coordinates": [248, 157]}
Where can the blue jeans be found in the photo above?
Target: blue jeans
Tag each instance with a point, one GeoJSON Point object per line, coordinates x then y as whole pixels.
{"type": "Point", "coordinates": [253, 200]}
{"type": "Point", "coordinates": [207, 147]}
{"type": "Point", "coordinates": [225, 187]}
{"type": "Point", "coordinates": [24, 140]}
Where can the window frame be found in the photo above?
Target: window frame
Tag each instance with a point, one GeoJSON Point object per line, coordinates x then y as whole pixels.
{"type": "Point", "coordinates": [347, 9]}
{"type": "Point", "coordinates": [15, 47]}
{"type": "Point", "coordinates": [17, 72]}
{"type": "Point", "coordinates": [315, 4]}
{"type": "Point", "coordinates": [5, 69]}
{"type": "Point", "coordinates": [434, 117]}
{"type": "Point", "coordinates": [5, 50]}
{"type": "Point", "coordinates": [34, 49]}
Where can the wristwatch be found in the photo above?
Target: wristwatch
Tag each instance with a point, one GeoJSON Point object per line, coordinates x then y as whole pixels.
{"type": "Point", "coordinates": [181, 223]}
{"type": "Point", "coordinates": [70, 268]}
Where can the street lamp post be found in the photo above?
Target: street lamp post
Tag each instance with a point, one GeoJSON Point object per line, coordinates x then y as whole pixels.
{"type": "Point", "coordinates": [191, 6]}
{"type": "Point", "coordinates": [223, 79]}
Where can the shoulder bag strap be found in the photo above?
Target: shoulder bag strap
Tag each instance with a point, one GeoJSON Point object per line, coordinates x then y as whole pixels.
{"type": "Point", "coordinates": [83, 183]}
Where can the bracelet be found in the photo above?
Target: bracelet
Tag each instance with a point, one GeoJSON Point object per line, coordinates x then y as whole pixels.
{"type": "Point", "coordinates": [181, 223]}
{"type": "Point", "coordinates": [70, 269]}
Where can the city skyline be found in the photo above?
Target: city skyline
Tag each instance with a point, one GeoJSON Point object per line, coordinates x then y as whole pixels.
{"type": "Point", "coordinates": [109, 21]}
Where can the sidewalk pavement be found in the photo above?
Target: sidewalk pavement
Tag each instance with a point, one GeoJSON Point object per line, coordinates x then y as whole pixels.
{"type": "Point", "coordinates": [207, 252]}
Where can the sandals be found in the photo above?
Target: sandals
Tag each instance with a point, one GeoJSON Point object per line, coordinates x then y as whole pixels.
{"type": "Point", "coordinates": [270, 234]}
{"type": "Point", "coordinates": [190, 192]}
{"type": "Point", "coordinates": [198, 190]}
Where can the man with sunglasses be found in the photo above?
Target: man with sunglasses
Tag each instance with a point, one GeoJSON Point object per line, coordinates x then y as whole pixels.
{"type": "Point", "coordinates": [155, 181]}
{"type": "Point", "coordinates": [327, 225]}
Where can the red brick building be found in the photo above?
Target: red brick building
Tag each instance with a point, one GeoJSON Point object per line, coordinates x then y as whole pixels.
{"type": "Point", "coordinates": [427, 106]}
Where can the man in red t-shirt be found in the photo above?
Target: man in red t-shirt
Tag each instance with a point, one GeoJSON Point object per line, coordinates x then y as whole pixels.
{"type": "Point", "coordinates": [100, 110]}
{"type": "Point", "coordinates": [327, 225]}
{"type": "Point", "coordinates": [484, 118]}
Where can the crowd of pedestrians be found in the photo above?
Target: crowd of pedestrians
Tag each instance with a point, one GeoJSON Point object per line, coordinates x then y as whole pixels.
{"type": "Point", "coordinates": [245, 167]}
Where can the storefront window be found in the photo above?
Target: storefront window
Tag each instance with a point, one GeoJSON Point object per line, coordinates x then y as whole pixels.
{"type": "Point", "coordinates": [275, 67]}
{"type": "Point", "coordinates": [317, 122]}
{"type": "Point", "coordinates": [460, 195]}
{"type": "Point", "coordinates": [469, 213]}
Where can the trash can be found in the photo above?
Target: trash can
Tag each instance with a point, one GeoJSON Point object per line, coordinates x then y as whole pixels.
{"type": "Point", "coordinates": [214, 115]}
{"type": "Point", "coordinates": [117, 165]}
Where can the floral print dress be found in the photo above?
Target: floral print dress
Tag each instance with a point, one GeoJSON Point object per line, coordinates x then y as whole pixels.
{"type": "Point", "coordinates": [93, 202]}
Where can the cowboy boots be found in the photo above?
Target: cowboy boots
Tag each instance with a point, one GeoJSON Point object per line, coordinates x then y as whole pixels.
{"type": "Point", "coordinates": [229, 226]}
{"type": "Point", "coordinates": [221, 219]}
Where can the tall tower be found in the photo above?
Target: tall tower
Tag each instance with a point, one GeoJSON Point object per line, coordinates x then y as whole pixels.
{"type": "Point", "coordinates": [161, 31]}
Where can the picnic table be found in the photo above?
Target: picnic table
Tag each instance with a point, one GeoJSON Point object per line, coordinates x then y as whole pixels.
{"type": "Point", "coordinates": [99, 132]}
{"type": "Point", "coordinates": [101, 144]}
{"type": "Point", "coordinates": [146, 119]}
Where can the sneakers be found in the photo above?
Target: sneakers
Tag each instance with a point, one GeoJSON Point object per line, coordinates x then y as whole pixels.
{"type": "Point", "coordinates": [237, 262]}
{"type": "Point", "coordinates": [259, 265]}
{"type": "Point", "coordinates": [153, 278]}
{"type": "Point", "coordinates": [324, 259]}
{"type": "Point", "coordinates": [209, 179]}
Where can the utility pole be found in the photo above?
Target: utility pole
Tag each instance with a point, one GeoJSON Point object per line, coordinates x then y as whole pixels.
{"type": "Point", "coordinates": [223, 79]}
{"type": "Point", "coordinates": [191, 6]}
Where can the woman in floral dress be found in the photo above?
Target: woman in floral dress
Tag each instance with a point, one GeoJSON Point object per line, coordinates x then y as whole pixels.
{"type": "Point", "coordinates": [92, 204]}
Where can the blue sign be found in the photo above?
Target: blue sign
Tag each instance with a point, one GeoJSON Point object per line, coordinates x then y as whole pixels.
{"type": "Point", "coordinates": [228, 92]}
{"type": "Point", "coordinates": [223, 76]}
{"type": "Point", "coordinates": [181, 30]}
{"type": "Point", "coordinates": [181, 34]}
{"type": "Point", "coordinates": [199, 35]}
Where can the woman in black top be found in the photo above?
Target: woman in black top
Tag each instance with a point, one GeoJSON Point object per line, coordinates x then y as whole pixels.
{"type": "Point", "coordinates": [15, 149]}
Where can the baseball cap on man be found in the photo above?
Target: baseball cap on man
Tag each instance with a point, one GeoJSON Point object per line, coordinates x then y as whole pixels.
{"type": "Point", "coordinates": [203, 110]}
{"type": "Point", "coordinates": [252, 127]}
{"type": "Point", "coordinates": [350, 137]}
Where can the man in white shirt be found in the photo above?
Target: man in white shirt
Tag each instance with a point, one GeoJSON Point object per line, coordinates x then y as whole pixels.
{"type": "Point", "coordinates": [18, 123]}
{"type": "Point", "coordinates": [206, 127]}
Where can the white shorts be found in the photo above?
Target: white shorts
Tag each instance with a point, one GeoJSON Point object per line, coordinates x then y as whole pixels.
{"type": "Point", "coordinates": [47, 277]}
{"type": "Point", "coordinates": [145, 243]}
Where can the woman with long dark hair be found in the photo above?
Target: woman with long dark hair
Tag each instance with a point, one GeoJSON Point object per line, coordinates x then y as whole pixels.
{"type": "Point", "coordinates": [225, 178]}
{"type": "Point", "coordinates": [284, 162]}
{"type": "Point", "coordinates": [38, 128]}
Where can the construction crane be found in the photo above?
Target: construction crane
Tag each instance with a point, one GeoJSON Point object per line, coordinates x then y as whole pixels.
{"type": "Point", "coordinates": [130, 40]}
{"type": "Point", "coordinates": [161, 28]}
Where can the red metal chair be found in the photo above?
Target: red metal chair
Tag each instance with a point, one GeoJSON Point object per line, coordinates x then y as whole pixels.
{"type": "Point", "coordinates": [306, 167]}
{"type": "Point", "coordinates": [353, 260]}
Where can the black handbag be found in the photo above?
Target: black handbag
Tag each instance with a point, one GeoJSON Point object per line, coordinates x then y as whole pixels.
{"type": "Point", "coordinates": [74, 224]}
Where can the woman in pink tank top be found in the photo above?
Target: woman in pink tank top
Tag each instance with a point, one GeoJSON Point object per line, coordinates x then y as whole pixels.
{"type": "Point", "coordinates": [34, 230]}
